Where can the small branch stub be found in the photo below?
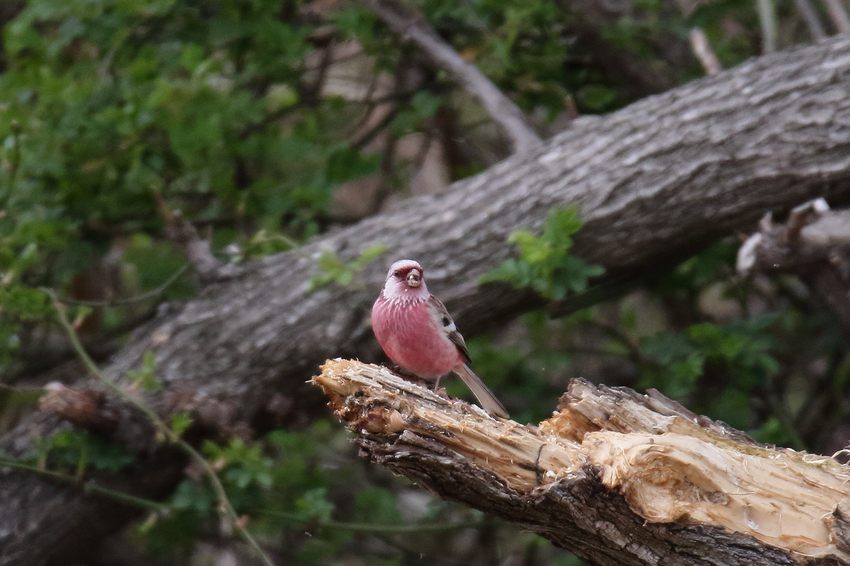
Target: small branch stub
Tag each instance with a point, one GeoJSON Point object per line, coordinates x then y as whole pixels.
{"type": "Point", "coordinates": [814, 244]}
{"type": "Point", "coordinates": [612, 471]}
{"type": "Point", "coordinates": [86, 408]}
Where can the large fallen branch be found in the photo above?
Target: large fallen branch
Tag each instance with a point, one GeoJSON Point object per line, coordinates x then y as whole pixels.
{"type": "Point", "coordinates": [615, 477]}
{"type": "Point", "coordinates": [654, 182]}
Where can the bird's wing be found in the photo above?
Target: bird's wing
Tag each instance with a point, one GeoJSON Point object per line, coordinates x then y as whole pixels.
{"type": "Point", "coordinates": [447, 325]}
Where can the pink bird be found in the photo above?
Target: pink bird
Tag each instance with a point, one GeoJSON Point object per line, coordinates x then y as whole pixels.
{"type": "Point", "coordinates": [418, 333]}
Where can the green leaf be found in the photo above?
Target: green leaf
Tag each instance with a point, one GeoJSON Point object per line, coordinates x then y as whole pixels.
{"type": "Point", "coordinates": [544, 263]}
{"type": "Point", "coordinates": [145, 377]}
{"type": "Point", "coordinates": [374, 504]}
{"type": "Point", "coordinates": [333, 270]}
{"type": "Point", "coordinates": [81, 450]}
{"type": "Point", "coordinates": [192, 496]}
{"type": "Point", "coordinates": [180, 423]}
{"type": "Point", "coordinates": [425, 104]}
{"type": "Point", "coordinates": [597, 97]}
{"type": "Point", "coordinates": [314, 504]}
{"type": "Point", "coordinates": [346, 163]}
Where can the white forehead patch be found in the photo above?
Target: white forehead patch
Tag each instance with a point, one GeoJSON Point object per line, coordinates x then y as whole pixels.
{"type": "Point", "coordinates": [403, 264]}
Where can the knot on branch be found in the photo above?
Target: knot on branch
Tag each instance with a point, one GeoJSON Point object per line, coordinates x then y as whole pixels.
{"type": "Point", "coordinates": [96, 411]}
{"type": "Point", "coordinates": [85, 408]}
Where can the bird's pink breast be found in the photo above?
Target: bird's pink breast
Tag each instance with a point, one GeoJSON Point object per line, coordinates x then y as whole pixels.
{"type": "Point", "coordinates": [412, 338]}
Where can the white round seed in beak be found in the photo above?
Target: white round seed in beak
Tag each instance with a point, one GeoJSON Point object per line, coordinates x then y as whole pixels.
{"type": "Point", "coordinates": [414, 278]}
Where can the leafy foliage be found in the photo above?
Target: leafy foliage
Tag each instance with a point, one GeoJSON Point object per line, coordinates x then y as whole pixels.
{"type": "Point", "coordinates": [145, 377]}
{"type": "Point", "coordinates": [111, 106]}
{"type": "Point", "coordinates": [180, 423]}
{"type": "Point", "coordinates": [296, 483]}
{"type": "Point", "coordinates": [742, 348]}
{"type": "Point", "coordinates": [77, 451]}
{"type": "Point", "coordinates": [544, 263]}
{"type": "Point", "coordinates": [333, 270]}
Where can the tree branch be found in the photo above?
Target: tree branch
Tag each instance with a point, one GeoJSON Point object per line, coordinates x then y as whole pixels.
{"type": "Point", "coordinates": [704, 53]}
{"type": "Point", "coordinates": [668, 486]}
{"type": "Point", "coordinates": [501, 108]}
{"type": "Point", "coordinates": [654, 182]}
{"type": "Point", "coordinates": [839, 15]}
{"type": "Point", "coordinates": [198, 251]}
{"type": "Point", "coordinates": [767, 19]}
{"type": "Point", "coordinates": [813, 243]}
{"type": "Point", "coordinates": [810, 16]}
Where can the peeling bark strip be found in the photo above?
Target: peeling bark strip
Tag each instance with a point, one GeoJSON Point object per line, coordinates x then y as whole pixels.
{"type": "Point", "coordinates": [654, 182]}
{"type": "Point", "coordinates": [666, 478]}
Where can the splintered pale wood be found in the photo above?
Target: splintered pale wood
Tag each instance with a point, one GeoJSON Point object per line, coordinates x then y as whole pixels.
{"type": "Point", "coordinates": [670, 466]}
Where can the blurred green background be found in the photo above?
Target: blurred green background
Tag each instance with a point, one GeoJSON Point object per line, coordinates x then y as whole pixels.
{"type": "Point", "coordinates": [267, 122]}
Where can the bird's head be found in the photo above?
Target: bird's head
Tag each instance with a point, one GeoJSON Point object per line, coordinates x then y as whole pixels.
{"type": "Point", "coordinates": [405, 275]}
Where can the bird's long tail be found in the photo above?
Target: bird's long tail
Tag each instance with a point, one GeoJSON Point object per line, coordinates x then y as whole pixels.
{"type": "Point", "coordinates": [485, 397]}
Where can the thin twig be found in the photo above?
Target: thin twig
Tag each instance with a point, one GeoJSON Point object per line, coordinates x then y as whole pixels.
{"type": "Point", "coordinates": [94, 488]}
{"type": "Point", "coordinates": [808, 419]}
{"type": "Point", "coordinates": [767, 18]}
{"type": "Point", "coordinates": [373, 527]}
{"type": "Point", "coordinates": [372, 105]}
{"type": "Point", "coordinates": [369, 103]}
{"type": "Point", "coordinates": [367, 137]}
{"type": "Point", "coordinates": [225, 507]}
{"type": "Point", "coordinates": [129, 300]}
{"type": "Point", "coordinates": [19, 389]}
{"type": "Point", "coordinates": [418, 160]}
{"type": "Point", "coordinates": [810, 16]}
{"type": "Point", "coordinates": [501, 108]}
{"type": "Point", "coordinates": [14, 166]}
{"type": "Point", "coordinates": [88, 487]}
{"type": "Point", "coordinates": [704, 53]}
{"type": "Point", "coordinates": [311, 94]}
{"type": "Point", "coordinates": [252, 128]}
{"type": "Point", "coordinates": [839, 15]}
{"type": "Point", "coordinates": [385, 178]}
{"type": "Point", "coordinates": [617, 334]}
{"type": "Point", "coordinates": [198, 251]}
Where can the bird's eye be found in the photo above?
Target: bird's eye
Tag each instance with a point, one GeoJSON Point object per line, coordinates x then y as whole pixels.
{"type": "Point", "coordinates": [396, 273]}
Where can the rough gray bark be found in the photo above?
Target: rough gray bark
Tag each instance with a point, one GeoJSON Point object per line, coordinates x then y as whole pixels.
{"type": "Point", "coordinates": [654, 182]}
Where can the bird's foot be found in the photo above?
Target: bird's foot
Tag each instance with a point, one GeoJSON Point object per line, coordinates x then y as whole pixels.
{"type": "Point", "coordinates": [441, 391]}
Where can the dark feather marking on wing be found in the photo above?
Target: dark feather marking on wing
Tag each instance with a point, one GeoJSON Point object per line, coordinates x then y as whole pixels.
{"type": "Point", "coordinates": [447, 321]}
{"type": "Point", "coordinates": [458, 341]}
{"type": "Point", "coordinates": [454, 335]}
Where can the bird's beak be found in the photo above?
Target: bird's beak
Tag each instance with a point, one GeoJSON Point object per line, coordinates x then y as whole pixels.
{"type": "Point", "coordinates": [414, 278]}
